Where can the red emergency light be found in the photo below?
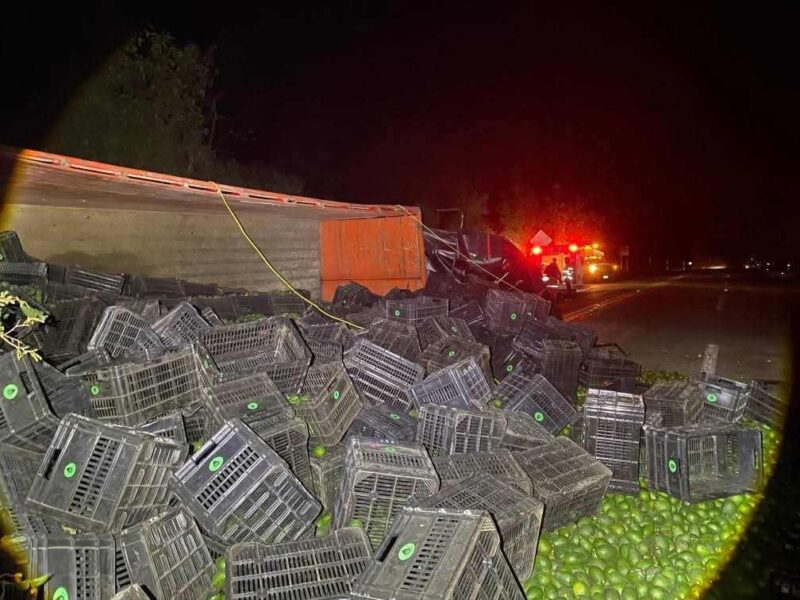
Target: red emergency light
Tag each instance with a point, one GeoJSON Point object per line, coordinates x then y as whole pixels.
{"type": "Point", "coordinates": [573, 247]}
{"type": "Point", "coordinates": [536, 250]}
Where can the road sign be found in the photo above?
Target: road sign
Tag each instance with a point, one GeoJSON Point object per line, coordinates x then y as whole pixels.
{"type": "Point", "coordinates": [541, 239]}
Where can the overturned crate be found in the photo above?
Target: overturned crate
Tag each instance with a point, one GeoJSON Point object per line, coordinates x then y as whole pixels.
{"type": "Point", "coordinates": [180, 326]}
{"type": "Point", "coordinates": [552, 328]}
{"type": "Point", "coordinates": [431, 553]}
{"type": "Point", "coordinates": [396, 336]}
{"type": "Point", "coordinates": [385, 424]}
{"type": "Point", "coordinates": [523, 390]}
{"type": "Point", "coordinates": [121, 332]}
{"type": "Point", "coordinates": [74, 321]}
{"type": "Point", "coordinates": [435, 329]}
{"type": "Point", "coordinates": [766, 402]}
{"type": "Point", "coordinates": [238, 489]}
{"type": "Point", "coordinates": [450, 430]}
{"type": "Point", "coordinates": [380, 375]}
{"type": "Point", "coordinates": [416, 309]}
{"type": "Point", "coordinates": [98, 477]}
{"type": "Point", "coordinates": [462, 384]}
{"type": "Point", "coordinates": [679, 402]}
{"type": "Point", "coordinates": [608, 368]}
{"type": "Point", "coordinates": [499, 463]}
{"type": "Point", "coordinates": [323, 568]}
{"type": "Point", "coordinates": [453, 349]}
{"type": "Point", "coordinates": [523, 432]}
{"type": "Point", "coordinates": [559, 361]}
{"type": "Point", "coordinates": [612, 427]}
{"type": "Point", "coordinates": [518, 516]}
{"type": "Point", "coordinates": [327, 466]}
{"type": "Point", "coordinates": [506, 311]}
{"type": "Point", "coordinates": [724, 400]}
{"type": "Point", "coordinates": [378, 481]}
{"type": "Point", "coordinates": [703, 462]}
{"type": "Point", "coordinates": [569, 481]}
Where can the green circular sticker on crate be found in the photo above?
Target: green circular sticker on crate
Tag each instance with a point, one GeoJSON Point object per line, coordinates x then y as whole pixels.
{"type": "Point", "coordinates": [390, 449]}
{"type": "Point", "coordinates": [513, 316]}
{"type": "Point", "coordinates": [336, 394]}
{"type": "Point", "coordinates": [10, 391]}
{"type": "Point", "coordinates": [70, 469]}
{"type": "Point", "coordinates": [538, 416]}
{"type": "Point", "coordinates": [451, 353]}
{"type": "Point", "coordinates": [61, 593]}
{"type": "Point", "coordinates": [454, 329]}
{"type": "Point", "coordinates": [394, 416]}
{"type": "Point", "coordinates": [215, 464]}
{"type": "Point", "coordinates": [252, 406]}
{"type": "Point", "coordinates": [356, 523]}
{"type": "Point", "coordinates": [509, 368]}
{"type": "Point", "coordinates": [95, 389]}
{"type": "Point", "coordinates": [397, 312]}
{"type": "Point", "coordinates": [407, 551]}
{"type": "Point", "coordinates": [711, 398]}
{"type": "Point", "coordinates": [672, 465]}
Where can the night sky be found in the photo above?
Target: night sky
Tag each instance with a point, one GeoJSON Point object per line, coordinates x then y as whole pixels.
{"type": "Point", "coordinates": [681, 121]}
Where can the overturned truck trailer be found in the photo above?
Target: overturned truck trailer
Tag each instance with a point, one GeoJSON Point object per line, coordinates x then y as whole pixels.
{"type": "Point", "coordinates": [121, 220]}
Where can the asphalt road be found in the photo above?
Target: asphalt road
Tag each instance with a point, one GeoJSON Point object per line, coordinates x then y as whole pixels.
{"type": "Point", "coordinates": [667, 323]}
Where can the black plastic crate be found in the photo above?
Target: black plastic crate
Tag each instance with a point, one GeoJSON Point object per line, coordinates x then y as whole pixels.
{"type": "Point", "coordinates": [24, 274]}
{"type": "Point", "coordinates": [11, 248]}
{"type": "Point", "coordinates": [72, 324]}
{"type": "Point", "coordinates": [195, 417]}
{"type": "Point", "coordinates": [131, 592]}
{"type": "Point", "coordinates": [93, 280]}
{"type": "Point", "coordinates": [250, 398]}
{"type": "Point", "coordinates": [523, 432]}
{"type": "Point", "coordinates": [98, 477]}
{"type": "Point", "coordinates": [272, 346]}
{"type": "Point", "coordinates": [167, 555]}
{"type": "Point", "coordinates": [150, 310]}
{"type": "Point", "coordinates": [194, 288]}
{"type": "Point", "coordinates": [26, 420]}
{"type": "Point", "coordinates": [225, 307]}
{"type": "Point", "coordinates": [132, 393]}
{"type": "Point", "coordinates": [385, 424]}
{"type": "Point", "coordinates": [287, 435]}
{"type": "Point", "coordinates": [381, 376]}
{"type": "Point", "coordinates": [612, 427]}
{"type": "Point", "coordinates": [16, 466]}
{"type": "Point", "coordinates": [122, 332]}
{"type": "Point", "coordinates": [327, 467]}
{"type": "Point", "coordinates": [462, 384]}
{"type": "Point", "coordinates": [211, 317]}
{"type": "Point", "coordinates": [724, 400]}
{"type": "Point", "coordinates": [64, 394]}
{"type": "Point", "coordinates": [608, 368]}
{"type": "Point", "coordinates": [320, 569]}
{"type": "Point", "coordinates": [378, 481]}
{"type": "Point", "coordinates": [568, 480]}
{"type": "Point", "coordinates": [448, 430]}
{"type": "Point", "coordinates": [471, 312]}
{"type": "Point", "coordinates": [518, 515]}
{"type": "Point", "coordinates": [507, 311]}
{"type": "Point", "coordinates": [180, 326]}
{"type": "Point", "coordinates": [139, 286]}
{"type": "Point", "coordinates": [169, 426]}
{"type": "Point", "coordinates": [329, 402]}
{"type": "Point", "coordinates": [702, 462]}
{"type": "Point", "coordinates": [80, 566]}
{"type": "Point", "coordinates": [413, 310]}
{"type": "Point", "coordinates": [553, 328]}
{"type": "Point", "coordinates": [531, 393]}
{"type": "Point", "coordinates": [505, 357]}
{"type": "Point", "coordinates": [451, 350]}
{"type": "Point", "coordinates": [499, 463]}
{"type": "Point", "coordinates": [351, 295]}
{"type": "Point", "coordinates": [286, 302]}
{"type": "Point", "coordinates": [365, 316]}
{"type": "Point", "coordinates": [767, 402]}
{"type": "Point", "coordinates": [500, 582]}
{"type": "Point", "coordinates": [240, 490]}
{"type": "Point", "coordinates": [559, 361]}
{"type": "Point", "coordinates": [396, 336]}
{"type": "Point", "coordinates": [431, 553]}
{"type": "Point", "coordinates": [436, 329]}
{"type": "Point", "coordinates": [679, 402]}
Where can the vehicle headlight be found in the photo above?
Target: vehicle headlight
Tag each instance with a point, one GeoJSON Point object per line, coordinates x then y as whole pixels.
{"type": "Point", "coordinates": [592, 268]}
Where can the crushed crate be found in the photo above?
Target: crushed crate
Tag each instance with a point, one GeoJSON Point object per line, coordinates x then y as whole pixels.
{"type": "Point", "coordinates": [724, 400]}
{"type": "Point", "coordinates": [431, 553]}
{"type": "Point", "coordinates": [612, 427]}
{"type": "Point", "coordinates": [73, 322]}
{"type": "Point", "coordinates": [384, 423]}
{"type": "Point", "coordinates": [435, 329]}
{"type": "Point", "coordinates": [272, 346]}
{"type": "Point", "coordinates": [320, 568]}
{"type": "Point", "coordinates": [354, 295]}
{"type": "Point", "coordinates": [98, 477]}
{"type": "Point", "coordinates": [378, 481]}
{"type": "Point", "coordinates": [766, 403]}
{"type": "Point", "coordinates": [523, 432]}
{"type": "Point", "coordinates": [329, 403]}
{"type": "Point", "coordinates": [499, 463]}
{"type": "Point", "coordinates": [121, 332]}
{"type": "Point", "coordinates": [451, 350]}
{"type": "Point", "coordinates": [132, 393]}
{"type": "Point", "coordinates": [167, 555]}
{"type": "Point", "coordinates": [505, 357]}
{"type": "Point", "coordinates": [413, 310]}
{"type": "Point", "coordinates": [239, 489]}
{"type": "Point", "coordinates": [396, 336]}
{"type": "Point", "coordinates": [180, 326]}
{"type": "Point", "coordinates": [553, 328]}
{"type": "Point", "coordinates": [559, 361]}
{"type": "Point", "coordinates": [169, 426]}
{"type": "Point", "coordinates": [287, 435]}
{"type": "Point", "coordinates": [462, 384]}
{"type": "Point", "coordinates": [679, 402]}
{"type": "Point", "coordinates": [568, 480]}
{"type": "Point", "coordinates": [79, 566]}
{"type": "Point", "coordinates": [703, 462]}
{"type": "Point", "coordinates": [608, 368]}
{"type": "Point", "coordinates": [518, 516]}
{"type": "Point", "coordinates": [92, 280]}
{"type": "Point", "coordinates": [327, 466]}
{"type": "Point", "coordinates": [447, 430]}
{"type": "Point", "coordinates": [531, 393]}
{"type": "Point", "coordinates": [26, 420]}
{"type": "Point", "coordinates": [470, 312]}
{"type": "Point", "coordinates": [381, 376]}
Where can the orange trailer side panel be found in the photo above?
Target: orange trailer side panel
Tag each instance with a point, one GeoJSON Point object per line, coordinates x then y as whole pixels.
{"type": "Point", "coordinates": [379, 253]}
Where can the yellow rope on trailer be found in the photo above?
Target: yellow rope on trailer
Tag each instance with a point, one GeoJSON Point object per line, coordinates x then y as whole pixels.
{"type": "Point", "coordinates": [446, 243]}
{"type": "Point", "coordinates": [273, 269]}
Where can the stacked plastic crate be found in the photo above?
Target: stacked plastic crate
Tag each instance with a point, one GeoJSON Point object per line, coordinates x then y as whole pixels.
{"type": "Point", "coordinates": [612, 425]}
{"type": "Point", "coordinates": [462, 384]}
{"type": "Point", "coordinates": [499, 463]}
{"type": "Point", "coordinates": [454, 349]}
{"type": "Point", "coordinates": [385, 424]}
{"type": "Point", "coordinates": [353, 295]}
{"type": "Point", "coordinates": [559, 361]}
{"type": "Point", "coordinates": [377, 483]}
{"type": "Point", "coordinates": [327, 340]}
{"type": "Point", "coordinates": [452, 430]}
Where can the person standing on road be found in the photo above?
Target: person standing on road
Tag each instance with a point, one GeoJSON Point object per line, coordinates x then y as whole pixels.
{"type": "Point", "coordinates": [553, 272]}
